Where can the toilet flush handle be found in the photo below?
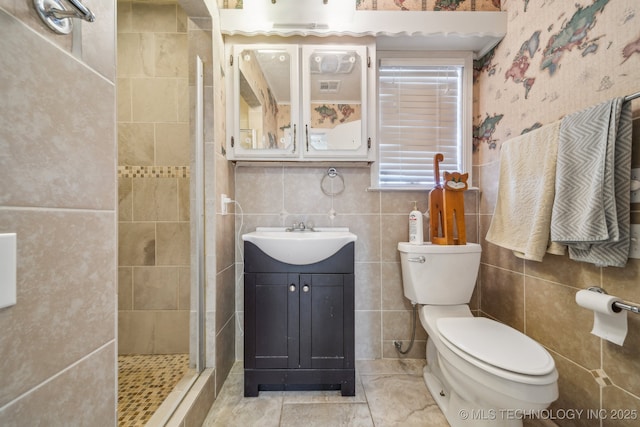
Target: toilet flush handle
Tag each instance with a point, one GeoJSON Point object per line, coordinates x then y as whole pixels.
{"type": "Point", "coordinates": [419, 259]}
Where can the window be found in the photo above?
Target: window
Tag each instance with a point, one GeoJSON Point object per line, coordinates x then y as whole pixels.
{"type": "Point", "coordinates": [424, 109]}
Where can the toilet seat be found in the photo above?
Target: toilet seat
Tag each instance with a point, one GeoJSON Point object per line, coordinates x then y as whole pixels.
{"type": "Point", "coordinates": [483, 341]}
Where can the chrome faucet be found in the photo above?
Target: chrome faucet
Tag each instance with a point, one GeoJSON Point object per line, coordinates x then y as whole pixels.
{"type": "Point", "coordinates": [300, 226]}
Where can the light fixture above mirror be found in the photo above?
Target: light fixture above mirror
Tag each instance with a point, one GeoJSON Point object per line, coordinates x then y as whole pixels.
{"type": "Point", "coordinates": [310, 14]}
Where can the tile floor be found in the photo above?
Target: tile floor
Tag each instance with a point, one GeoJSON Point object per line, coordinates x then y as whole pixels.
{"type": "Point", "coordinates": [144, 382]}
{"type": "Point", "coordinates": [389, 392]}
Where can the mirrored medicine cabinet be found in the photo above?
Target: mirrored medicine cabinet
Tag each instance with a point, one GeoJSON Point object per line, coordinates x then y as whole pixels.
{"type": "Point", "coordinates": [299, 102]}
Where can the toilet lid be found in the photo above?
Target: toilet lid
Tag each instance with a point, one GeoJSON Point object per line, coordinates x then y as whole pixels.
{"type": "Point", "coordinates": [496, 344]}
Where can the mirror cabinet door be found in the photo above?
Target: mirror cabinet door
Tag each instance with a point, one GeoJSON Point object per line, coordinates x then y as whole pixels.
{"type": "Point", "coordinates": [334, 99]}
{"type": "Point", "coordinates": [266, 108]}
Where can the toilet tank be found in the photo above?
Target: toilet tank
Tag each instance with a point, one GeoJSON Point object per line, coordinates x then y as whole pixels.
{"type": "Point", "coordinates": [439, 274]}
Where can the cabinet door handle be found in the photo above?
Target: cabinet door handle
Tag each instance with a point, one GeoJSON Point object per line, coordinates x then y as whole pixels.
{"type": "Point", "coordinates": [305, 288]}
{"type": "Point", "coordinates": [294, 139]}
{"type": "Point", "coordinates": [292, 288]}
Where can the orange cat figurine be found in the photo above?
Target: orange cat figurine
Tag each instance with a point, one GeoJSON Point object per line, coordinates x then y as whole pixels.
{"type": "Point", "coordinates": [448, 213]}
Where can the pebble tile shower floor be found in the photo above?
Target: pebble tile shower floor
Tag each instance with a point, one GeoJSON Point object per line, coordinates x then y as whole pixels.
{"type": "Point", "coordinates": [144, 382]}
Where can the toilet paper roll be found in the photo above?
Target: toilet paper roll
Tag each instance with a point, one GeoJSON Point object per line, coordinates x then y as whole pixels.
{"type": "Point", "coordinates": [607, 323]}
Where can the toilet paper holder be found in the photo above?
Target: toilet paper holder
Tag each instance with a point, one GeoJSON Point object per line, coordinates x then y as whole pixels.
{"type": "Point", "coordinates": [618, 306]}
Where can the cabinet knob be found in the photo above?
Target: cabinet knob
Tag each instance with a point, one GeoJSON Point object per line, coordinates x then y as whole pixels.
{"type": "Point", "coordinates": [305, 288]}
{"type": "Point", "coordinates": [292, 288]}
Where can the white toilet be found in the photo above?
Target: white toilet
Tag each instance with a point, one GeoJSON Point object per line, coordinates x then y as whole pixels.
{"type": "Point", "coordinates": [479, 371]}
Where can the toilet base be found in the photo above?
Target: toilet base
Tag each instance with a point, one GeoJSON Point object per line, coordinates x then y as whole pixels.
{"type": "Point", "coordinates": [458, 411]}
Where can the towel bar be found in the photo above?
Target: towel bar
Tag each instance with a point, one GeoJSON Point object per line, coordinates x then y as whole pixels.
{"type": "Point", "coordinates": [618, 306]}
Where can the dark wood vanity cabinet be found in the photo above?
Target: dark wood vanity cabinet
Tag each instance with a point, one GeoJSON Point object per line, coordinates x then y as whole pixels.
{"type": "Point", "coordinates": [299, 323]}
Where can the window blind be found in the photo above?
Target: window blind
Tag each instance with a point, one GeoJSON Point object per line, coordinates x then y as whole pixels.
{"type": "Point", "coordinates": [420, 115]}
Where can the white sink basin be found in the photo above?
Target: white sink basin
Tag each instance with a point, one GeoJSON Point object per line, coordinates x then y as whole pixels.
{"type": "Point", "coordinates": [300, 247]}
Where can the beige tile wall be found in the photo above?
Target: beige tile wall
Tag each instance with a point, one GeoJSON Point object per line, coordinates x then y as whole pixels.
{"type": "Point", "coordinates": [153, 178]}
{"type": "Point", "coordinates": [279, 196]}
{"type": "Point", "coordinates": [58, 187]}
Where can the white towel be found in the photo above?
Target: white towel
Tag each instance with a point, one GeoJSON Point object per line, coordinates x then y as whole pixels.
{"type": "Point", "coordinates": [522, 217]}
{"type": "Point", "coordinates": [591, 213]}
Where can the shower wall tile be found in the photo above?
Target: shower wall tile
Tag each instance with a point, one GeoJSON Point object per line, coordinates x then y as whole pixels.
{"type": "Point", "coordinates": [155, 288]}
{"type": "Point", "coordinates": [58, 144]}
{"type": "Point", "coordinates": [136, 243]}
{"type": "Point", "coordinates": [154, 100]}
{"type": "Point", "coordinates": [155, 199]}
{"type": "Point", "coordinates": [34, 115]}
{"type": "Point", "coordinates": [172, 144]}
{"type": "Point", "coordinates": [123, 89]}
{"type": "Point", "coordinates": [171, 334]}
{"type": "Point", "coordinates": [200, 40]}
{"type": "Point", "coordinates": [173, 243]}
{"type": "Point", "coordinates": [153, 332]}
{"type": "Point", "coordinates": [184, 288]}
{"type": "Point", "coordinates": [125, 288]}
{"type": "Point", "coordinates": [154, 17]}
{"type": "Point", "coordinates": [155, 153]}
{"type": "Point", "coordinates": [136, 55]}
{"type": "Point", "coordinates": [182, 19]}
{"type": "Point", "coordinates": [66, 294]}
{"type": "Point", "coordinates": [171, 55]}
{"type": "Point", "coordinates": [123, 18]}
{"type": "Point", "coordinates": [95, 44]}
{"type": "Point", "coordinates": [61, 399]}
{"type": "Point", "coordinates": [136, 144]}
{"type": "Point", "coordinates": [125, 199]}
{"type": "Point", "coordinates": [182, 99]}
{"type": "Point", "coordinates": [24, 11]}
{"type": "Point", "coordinates": [184, 186]}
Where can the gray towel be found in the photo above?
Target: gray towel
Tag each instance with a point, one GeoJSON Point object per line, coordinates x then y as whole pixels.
{"type": "Point", "coordinates": [591, 210]}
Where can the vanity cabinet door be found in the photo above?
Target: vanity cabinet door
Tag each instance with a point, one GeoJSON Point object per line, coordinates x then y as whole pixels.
{"type": "Point", "coordinates": [326, 321]}
{"type": "Point", "coordinates": [272, 310]}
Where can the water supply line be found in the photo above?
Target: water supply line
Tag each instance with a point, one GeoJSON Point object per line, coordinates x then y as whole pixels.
{"type": "Point", "coordinates": [398, 344]}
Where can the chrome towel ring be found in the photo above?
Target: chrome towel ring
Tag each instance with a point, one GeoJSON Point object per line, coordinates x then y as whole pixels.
{"type": "Point", "coordinates": [332, 173]}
